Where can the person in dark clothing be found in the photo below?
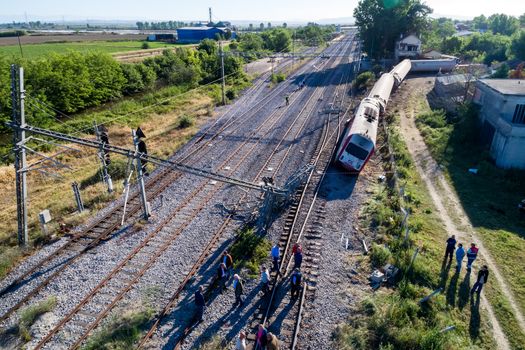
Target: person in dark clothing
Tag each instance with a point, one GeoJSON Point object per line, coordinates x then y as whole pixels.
{"type": "Point", "coordinates": [298, 259]}
{"type": "Point", "coordinates": [261, 339]}
{"type": "Point", "coordinates": [295, 281]}
{"type": "Point", "coordinates": [222, 275]}
{"type": "Point", "coordinates": [472, 254]}
{"type": "Point", "coordinates": [141, 146]}
{"type": "Point", "coordinates": [238, 287]}
{"type": "Point", "coordinates": [200, 303]}
{"type": "Point", "coordinates": [228, 261]}
{"type": "Point", "coordinates": [483, 276]}
{"type": "Point", "coordinates": [451, 246]}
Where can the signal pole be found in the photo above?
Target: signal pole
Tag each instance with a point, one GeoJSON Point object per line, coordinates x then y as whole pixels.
{"type": "Point", "coordinates": [222, 74]}
{"type": "Point", "coordinates": [140, 175]}
{"type": "Point", "coordinates": [103, 159]}
{"type": "Point", "coordinates": [19, 138]}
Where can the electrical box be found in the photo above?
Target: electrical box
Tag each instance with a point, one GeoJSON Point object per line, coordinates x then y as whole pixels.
{"type": "Point", "coordinates": [44, 216]}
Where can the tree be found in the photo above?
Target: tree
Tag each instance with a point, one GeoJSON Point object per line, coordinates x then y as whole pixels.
{"type": "Point", "coordinates": [140, 25]}
{"type": "Point", "coordinates": [517, 46]}
{"type": "Point", "coordinates": [251, 26]}
{"type": "Point", "coordinates": [381, 23]}
{"type": "Point", "coordinates": [451, 45]}
{"type": "Point", "coordinates": [503, 24]}
{"type": "Point", "coordinates": [208, 45]}
{"type": "Point", "coordinates": [502, 72]}
{"type": "Point", "coordinates": [285, 25]}
{"type": "Point", "coordinates": [480, 23]}
{"type": "Point", "coordinates": [522, 21]}
{"type": "Point", "coordinates": [269, 25]}
{"type": "Point", "coordinates": [261, 26]}
{"type": "Point", "coordinates": [251, 42]}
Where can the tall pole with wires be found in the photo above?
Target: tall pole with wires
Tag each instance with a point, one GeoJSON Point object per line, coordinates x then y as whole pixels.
{"type": "Point", "coordinates": [140, 175]}
{"type": "Point", "coordinates": [222, 74]}
{"type": "Point", "coordinates": [104, 156]}
{"type": "Point", "coordinates": [19, 138]}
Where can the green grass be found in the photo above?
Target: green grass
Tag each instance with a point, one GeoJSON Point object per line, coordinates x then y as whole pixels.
{"type": "Point", "coordinates": [121, 332]}
{"type": "Point", "coordinates": [393, 318]}
{"type": "Point", "coordinates": [38, 50]}
{"type": "Point", "coordinates": [250, 251]}
{"type": "Point", "coordinates": [490, 200]}
{"type": "Point", "coordinates": [29, 315]}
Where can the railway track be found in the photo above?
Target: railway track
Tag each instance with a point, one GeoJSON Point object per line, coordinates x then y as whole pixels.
{"type": "Point", "coordinates": [304, 224]}
{"type": "Point", "coordinates": [277, 162]}
{"type": "Point", "coordinates": [104, 228]}
{"type": "Point", "coordinates": [200, 199]}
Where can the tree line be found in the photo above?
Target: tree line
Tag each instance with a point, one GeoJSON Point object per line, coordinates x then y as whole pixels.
{"type": "Point", "coordinates": [73, 82]}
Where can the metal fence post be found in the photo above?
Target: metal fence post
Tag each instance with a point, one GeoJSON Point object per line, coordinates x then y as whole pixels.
{"type": "Point", "coordinates": [78, 199]}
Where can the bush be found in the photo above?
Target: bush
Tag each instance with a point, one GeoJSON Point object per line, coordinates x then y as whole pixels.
{"type": "Point", "coordinates": [278, 78]}
{"type": "Point", "coordinates": [434, 119]}
{"type": "Point", "coordinates": [379, 255]}
{"type": "Point", "coordinates": [250, 250]}
{"type": "Point", "coordinates": [185, 122]}
{"type": "Point", "coordinates": [231, 94]}
{"type": "Point", "coordinates": [364, 80]}
{"type": "Point", "coordinates": [145, 46]}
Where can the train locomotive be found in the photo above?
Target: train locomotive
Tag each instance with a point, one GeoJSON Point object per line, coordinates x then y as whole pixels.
{"type": "Point", "coordinates": [359, 140]}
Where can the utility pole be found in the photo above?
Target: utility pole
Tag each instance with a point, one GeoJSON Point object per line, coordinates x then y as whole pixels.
{"type": "Point", "coordinates": [222, 74]}
{"type": "Point", "coordinates": [140, 175]}
{"type": "Point", "coordinates": [19, 138]}
{"type": "Point", "coordinates": [102, 156]}
{"type": "Point", "coordinates": [293, 49]}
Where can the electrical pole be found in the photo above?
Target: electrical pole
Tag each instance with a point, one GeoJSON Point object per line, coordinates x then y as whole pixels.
{"type": "Point", "coordinates": [19, 137]}
{"type": "Point", "coordinates": [102, 156]}
{"type": "Point", "coordinates": [140, 175]}
{"type": "Point", "coordinates": [293, 49]}
{"type": "Point", "coordinates": [222, 74]}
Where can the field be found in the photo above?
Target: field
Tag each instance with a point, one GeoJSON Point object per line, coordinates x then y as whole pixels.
{"type": "Point", "coordinates": [38, 50]}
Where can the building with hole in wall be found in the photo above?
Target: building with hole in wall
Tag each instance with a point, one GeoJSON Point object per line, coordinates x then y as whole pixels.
{"type": "Point", "coordinates": [502, 117]}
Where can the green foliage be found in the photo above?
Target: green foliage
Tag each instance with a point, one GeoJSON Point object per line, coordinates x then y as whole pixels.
{"type": "Point", "coordinates": [250, 250]}
{"type": "Point", "coordinates": [185, 122]}
{"type": "Point", "coordinates": [121, 332]}
{"type": "Point", "coordinates": [12, 33]}
{"type": "Point", "coordinates": [502, 72]}
{"type": "Point", "coordinates": [517, 47]}
{"type": "Point", "coordinates": [486, 47]}
{"type": "Point", "coordinates": [503, 24]}
{"type": "Point", "coordinates": [251, 42]}
{"type": "Point", "coordinates": [278, 78]}
{"type": "Point", "coordinates": [480, 22]}
{"type": "Point", "coordinates": [379, 255]}
{"type": "Point", "coordinates": [29, 315]}
{"type": "Point", "coordinates": [277, 40]}
{"type": "Point", "coordinates": [314, 34]}
{"type": "Point", "coordinates": [145, 46]}
{"type": "Point", "coordinates": [382, 22]}
{"type": "Point", "coordinates": [364, 80]}
{"type": "Point", "coordinates": [139, 77]}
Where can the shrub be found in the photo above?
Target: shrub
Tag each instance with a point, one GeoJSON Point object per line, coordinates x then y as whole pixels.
{"type": "Point", "coordinates": [364, 80]}
{"type": "Point", "coordinates": [145, 46]}
{"type": "Point", "coordinates": [231, 94]}
{"type": "Point", "coordinates": [278, 78]}
{"type": "Point", "coordinates": [250, 250]}
{"type": "Point", "coordinates": [185, 122]}
{"type": "Point", "coordinates": [379, 255]}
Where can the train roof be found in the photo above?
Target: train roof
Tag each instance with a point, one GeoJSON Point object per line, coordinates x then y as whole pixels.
{"type": "Point", "coordinates": [362, 125]}
{"type": "Point", "coordinates": [383, 88]}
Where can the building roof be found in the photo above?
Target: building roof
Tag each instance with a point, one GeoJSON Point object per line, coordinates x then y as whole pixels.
{"type": "Point", "coordinates": [201, 28]}
{"type": "Point", "coordinates": [506, 86]}
{"type": "Point", "coordinates": [410, 39]}
{"type": "Point", "coordinates": [452, 79]}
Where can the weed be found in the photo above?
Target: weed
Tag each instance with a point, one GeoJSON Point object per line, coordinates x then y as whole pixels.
{"type": "Point", "coordinates": [278, 78]}
{"type": "Point", "coordinates": [379, 255]}
{"type": "Point", "coordinates": [121, 332]}
{"type": "Point", "coordinates": [185, 122]}
{"type": "Point", "coordinates": [29, 315]}
{"type": "Point", "coordinates": [250, 250]}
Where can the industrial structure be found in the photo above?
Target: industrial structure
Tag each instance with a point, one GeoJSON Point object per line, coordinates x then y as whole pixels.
{"type": "Point", "coordinates": [502, 119]}
{"type": "Point", "coordinates": [188, 35]}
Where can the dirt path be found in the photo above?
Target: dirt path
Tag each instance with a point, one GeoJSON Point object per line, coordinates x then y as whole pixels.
{"type": "Point", "coordinates": [442, 195]}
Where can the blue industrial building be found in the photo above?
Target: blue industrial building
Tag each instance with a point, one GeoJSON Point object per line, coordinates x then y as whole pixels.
{"type": "Point", "coordinates": [197, 34]}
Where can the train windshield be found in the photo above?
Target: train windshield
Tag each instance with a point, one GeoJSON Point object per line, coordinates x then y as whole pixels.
{"type": "Point", "coordinates": [356, 151]}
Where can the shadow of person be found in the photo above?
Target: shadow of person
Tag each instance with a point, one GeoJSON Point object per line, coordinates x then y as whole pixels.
{"type": "Point", "coordinates": [464, 291]}
{"type": "Point", "coordinates": [452, 288]}
{"type": "Point", "coordinates": [475, 319]}
{"type": "Point", "coordinates": [445, 269]}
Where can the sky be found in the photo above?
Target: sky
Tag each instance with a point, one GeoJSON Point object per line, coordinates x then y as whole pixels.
{"type": "Point", "coordinates": [261, 10]}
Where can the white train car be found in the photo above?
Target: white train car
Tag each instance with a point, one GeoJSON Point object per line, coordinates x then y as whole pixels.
{"type": "Point", "coordinates": [443, 65]}
{"type": "Point", "coordinates": [359, 141]}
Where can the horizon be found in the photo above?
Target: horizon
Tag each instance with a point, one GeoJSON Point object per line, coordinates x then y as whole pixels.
{"type": "Point", "coordinates": [236, 11]}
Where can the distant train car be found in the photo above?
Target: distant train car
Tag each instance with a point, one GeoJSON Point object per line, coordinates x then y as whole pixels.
{"type": "Point", "coordinates": [359, 141]}
{"type": "Point", "coordinates": [443, 65]}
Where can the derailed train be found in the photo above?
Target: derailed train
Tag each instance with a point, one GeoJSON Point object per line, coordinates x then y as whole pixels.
{"type": "Point", "coordinates": [359, 141]}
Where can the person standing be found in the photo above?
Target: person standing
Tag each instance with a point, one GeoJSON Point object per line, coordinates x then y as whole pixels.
{"type": "Point", "coordinates": [287, 100]}
{"type": "Point", "coordinates": [241, 341]}
{"type": "Point", "coordinates": [238, 288]}
{"type": "Point", "coordinates": [451, 246]}
{"type": "Point", "coordinates": [298, 259]}
{"type": "Point", "coordinates": [483, 276]}
{"type": "Point", "coordinates": [275, 258]}
{"type": "Point", "coordinates": [295, 282]}
{"type": "Point", "coordinates": [472, 254]}
{"type": "Point", "coordinates": [200, 303]}
{"type": "Point", "coordinates": [261, 339]}
{"type": "Point", "coordinates": [265, 280]}
{"type": "Point", "coordinates": [273, 342]}
{"type": "Point", "coordinates": [296, 247]}
{"type": "Point", "coordinates": [222, 275]}
{"type": "Point", "coordinates": [228, 261]}
{"type": "Point", "coordinates": [460, 254]}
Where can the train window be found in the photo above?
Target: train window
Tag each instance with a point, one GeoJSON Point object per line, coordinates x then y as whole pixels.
{"type": "Point", "coordinates": [356, 151]}
{"type": "Point", "coordinates": [519, 115]}
{"type": "Point", "coordinates": [370, 113]}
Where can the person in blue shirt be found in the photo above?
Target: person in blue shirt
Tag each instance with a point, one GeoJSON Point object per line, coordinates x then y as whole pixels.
{"type": "Point", "coordinates": [275, 257]}
{"type": "Point", "coordinates": [295, 282]}
{"type": "Point", "coordinates": [460, 254]}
